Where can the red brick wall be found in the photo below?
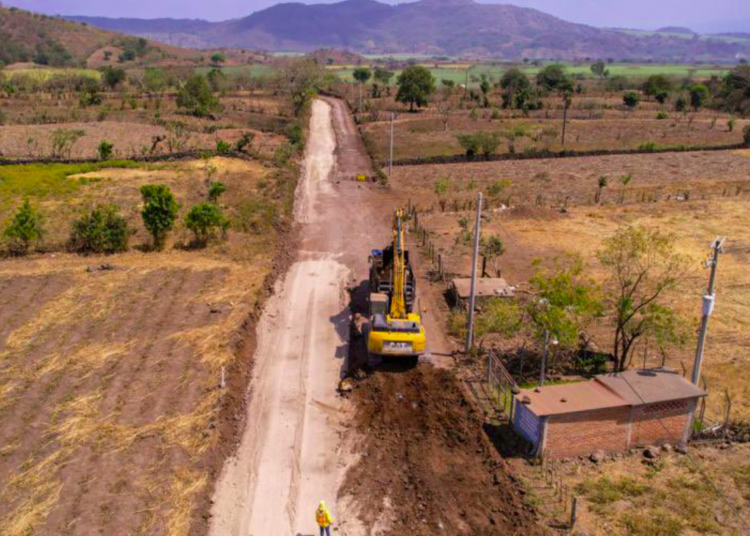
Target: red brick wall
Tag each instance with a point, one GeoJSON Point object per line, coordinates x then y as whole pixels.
{"type": "Point", "coordinates": [580, 434]}
{"type": "Point", "coordinates": [656, 424]}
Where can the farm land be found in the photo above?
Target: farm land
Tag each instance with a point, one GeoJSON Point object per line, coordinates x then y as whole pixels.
{"type": "Point", "coordinates": [122, 376]}
{"type": "Point", "coordinates": [543, 211]}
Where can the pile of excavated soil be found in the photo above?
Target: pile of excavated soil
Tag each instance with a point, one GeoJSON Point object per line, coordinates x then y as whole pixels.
{"type": "Point", "coordinates": [426, 466]}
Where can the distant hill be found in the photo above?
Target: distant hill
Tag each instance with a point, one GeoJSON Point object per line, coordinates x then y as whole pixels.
{"type": "Point", "coordinates": [677, 30]}
{"type": "Point", "coordinates": [45, 40]}
{"type": "Point", "coordinates": [438, 27]}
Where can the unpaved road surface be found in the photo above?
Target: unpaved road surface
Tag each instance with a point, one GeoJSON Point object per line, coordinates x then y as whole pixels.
{"type": "Point", "coordinates": [291, 455]}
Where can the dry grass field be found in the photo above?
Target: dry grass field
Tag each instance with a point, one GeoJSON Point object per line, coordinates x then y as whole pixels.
{"type": "Point", "coordinates": [110, 393]}
{"type": "Point", "coordinates": [696, 197]}
{"type": "Point", "coordinates": [133, 124]}
{"type": "Point", "coordinates": [594, 123]}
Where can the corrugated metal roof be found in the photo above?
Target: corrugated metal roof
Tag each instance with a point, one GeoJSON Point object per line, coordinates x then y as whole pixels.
{"type": "Point", "coordinates": [650, 386]}
{"type": "Point", "coordinates": [569, 398]}
{"type": "Point", "coordinates": [485, 287]}
{"type": "Point", "coordinates": [630, 388]}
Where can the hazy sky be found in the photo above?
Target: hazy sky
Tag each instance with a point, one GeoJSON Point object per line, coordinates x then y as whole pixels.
{"type": "Point", "coordinates": [718, 15]}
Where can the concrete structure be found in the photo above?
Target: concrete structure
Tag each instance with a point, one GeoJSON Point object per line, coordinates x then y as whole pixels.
{"type": "Point", "coordinates": [486, 287]}
{"type": "Point", "coordinates": [612, 412]}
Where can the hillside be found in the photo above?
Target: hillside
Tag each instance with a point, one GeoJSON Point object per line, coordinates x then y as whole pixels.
{"type": "Point", "coordinates": [46, 40]}
{"type": "Point", "coordinates": [440, 27]}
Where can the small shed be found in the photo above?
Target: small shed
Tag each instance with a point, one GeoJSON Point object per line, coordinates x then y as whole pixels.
{"type": "Point", "coordinates": [486, 287]}
{"type": "Point", "coordinates": [612, 412]}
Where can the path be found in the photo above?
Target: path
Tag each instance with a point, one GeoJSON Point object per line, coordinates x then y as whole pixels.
{"type": "Point", "coordinates": [291, 454]}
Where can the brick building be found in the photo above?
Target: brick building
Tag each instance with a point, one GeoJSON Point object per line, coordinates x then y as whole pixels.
{"type": "Point", "coordinates": [612, 412]}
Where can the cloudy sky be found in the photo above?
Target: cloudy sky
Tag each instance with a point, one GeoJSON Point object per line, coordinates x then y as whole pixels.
{"type": "Point", "coordinates": [719, 15]}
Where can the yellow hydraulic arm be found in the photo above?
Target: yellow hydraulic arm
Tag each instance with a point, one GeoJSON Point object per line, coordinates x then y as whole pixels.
{"type": "Point", "coordinates": [398, 299]}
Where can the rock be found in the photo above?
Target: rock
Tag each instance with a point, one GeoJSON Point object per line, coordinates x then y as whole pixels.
{"type": "Point", "coordinates": [681, 448]}
{"type": "Point", "coordinates": [597, 456]}
{"type": "Point", "coordinates": [651, 453]}
{"type": "Point", "coordinates": [106, 266]}
{"type": "Point", "coordinates": [666, 447]}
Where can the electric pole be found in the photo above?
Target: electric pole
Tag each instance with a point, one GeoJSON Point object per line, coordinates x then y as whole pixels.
{"type": "Point", "coordinates": [390, 156]}
{"type": "Point", "coordinates": [708, 307]}
{"type": "Point", "coordinates": [472, 292]}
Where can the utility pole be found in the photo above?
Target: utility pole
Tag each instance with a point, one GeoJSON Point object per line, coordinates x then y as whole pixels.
{"type": "Point", "coordinates": [390, 155]}
{"type": "Point", "coordinates": [544, 357]}
{"type": "Point", "coordinates": [708, 307]}
{"type": "Point", "coordinates": [472, 293]}
{"type": "Point", "coordinates": [566, 104]}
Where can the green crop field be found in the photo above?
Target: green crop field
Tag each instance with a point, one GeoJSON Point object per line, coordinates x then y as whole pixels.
{"type": "Point", "coordinates": [245, 70]}
{"type": "Point", "coordinates": [458, 72]}
{"type": "Point", "coordinates": [43, 74]}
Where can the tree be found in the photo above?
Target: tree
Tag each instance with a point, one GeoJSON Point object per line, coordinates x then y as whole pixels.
{"type": "Point", "coordinates": [25, 227]}
{"type": "Point", "coordinates": [599, 68]}
{"type": "Point", "coordinates": [657, 84]}
{"type": "Point", "coordinates": [154, 80]}
{"type": "Point", "coordinates": [554, 78]}
{"type": "Point", "coordinates": [216, 79]}
{"type": "Point", "coordinates": [362, 74]}
{"type": "Point", "coordinates": [644, 267]}
{"type": "Point", "coordinates": [159, 211]}
{"type": "Point", "coordinates": [482, 142]}
{"type": "Point", "coordinates": [383, 76]}
{"type": "Point", "coordinates": [624, 180]}
{"type": "Point", "coordinates": [516, 88]}
{"type": "Point", "coordinates": [661, 97]}
{"type": "Point", "coordinates": [499, 316]}
{"type": "Point", "coordinates": [114, 76]}
{"type": "Point", "coordinates": [699, 95]}
{"type": "Point", "coordinates": [415, 85]}
{"type": "Point", "coordinates": [631, 99]}
{"type": "Point", "coordinates": [217, 58]}
{"type": "Point", "coordinates": [734, 92]}
{"type": "Point", "coordinates": [102, 230]}
{"type": "Point", "coordinates": [564, 301]}
{"type": "Point", "coordinates": [492, 249]}
{"type": "Point", "coordinates": [601, 185]}
{"type": "Point", "coordinates": [484, 87]}
{"type": "Point", "coordinates": [300, 80]}
{"type": "Point", "coordinates": [63, 140]}
{"type": "Point", "coordinates": [196, 97]}
{"type": "Point", "coordinates": [204, 221]}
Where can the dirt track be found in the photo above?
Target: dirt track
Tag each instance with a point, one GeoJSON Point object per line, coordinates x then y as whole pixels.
{"type": "Point", "coordinates": [301, 441]}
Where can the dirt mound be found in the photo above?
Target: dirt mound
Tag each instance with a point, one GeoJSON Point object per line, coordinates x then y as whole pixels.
{"type": "Point", "coordinates": [425, 465]}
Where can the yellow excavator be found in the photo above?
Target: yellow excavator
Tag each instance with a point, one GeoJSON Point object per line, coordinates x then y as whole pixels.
{"type": "Point", "coordinates": [395, 327]}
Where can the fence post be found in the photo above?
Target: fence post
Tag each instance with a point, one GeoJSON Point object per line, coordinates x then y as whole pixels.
{"type": "Point", "coordinates": [574, 512]}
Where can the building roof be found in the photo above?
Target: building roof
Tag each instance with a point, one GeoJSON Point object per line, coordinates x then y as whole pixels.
{"type": "Point", "coordinates": [569, 398]}
{"type": "Point", "coordinates": [638, 387]}
{"type": "Point", "coordinates": [630, 388]}
{"type": "Point", "coordinates": [485, 287]}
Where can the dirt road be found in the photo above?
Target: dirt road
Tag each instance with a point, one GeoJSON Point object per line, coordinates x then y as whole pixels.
{"type": "Point", "coordinates": [291, 455]}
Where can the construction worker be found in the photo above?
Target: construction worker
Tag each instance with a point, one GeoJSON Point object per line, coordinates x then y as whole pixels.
{"type": "Point", "coordinates": [324, 519]}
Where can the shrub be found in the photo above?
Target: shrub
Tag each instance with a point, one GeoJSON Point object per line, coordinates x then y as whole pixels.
{"type": "Point", "coordinates": [631, 99]}
{"type": "Point", "coordinates": [114, 76]}
{"type": "Point", "coordinates": [648, 147]}
{"type": "Point", "coordinates": [204, 221]}
{"type": "Point", "coordinates": [25, 228]}
{"type": "Point", "coordinates": [196, 97]}
{"type": "Point", "coordinates": [661, 114]}
{"type": "Point", "coordinates": [105, 150]}
{"type": "Point", "coordinates": [159, 211]}
{"type": "Point", "coordinates": [223, 147]}
{"type": "Point", "coordinates": [245, 141]}
{"type": "Point", "coordinates": [102, 230]}
{"type": "Point", "coordinates": [215, 191]}
{"type": "Point", "coordinates": [63, 140]}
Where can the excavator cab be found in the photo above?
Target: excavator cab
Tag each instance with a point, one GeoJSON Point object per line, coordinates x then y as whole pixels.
{"type": "Point", "coordinates": [395, 328]}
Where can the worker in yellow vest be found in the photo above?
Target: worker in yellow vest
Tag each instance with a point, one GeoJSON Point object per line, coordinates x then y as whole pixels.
{"type": "Point", "coordinates": [324, 519]}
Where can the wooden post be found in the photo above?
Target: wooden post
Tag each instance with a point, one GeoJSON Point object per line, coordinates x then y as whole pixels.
{"type": "Point", "coordinates": [484, 266]}
{"type": "Point", "coordinates": [574, 512]}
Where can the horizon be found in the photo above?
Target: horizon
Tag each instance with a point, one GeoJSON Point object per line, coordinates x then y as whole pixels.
{"type": "Point", "coordinates": [723, 16]}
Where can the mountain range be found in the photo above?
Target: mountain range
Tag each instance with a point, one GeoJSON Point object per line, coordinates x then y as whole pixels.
{"type": "Point", "coordinates": [432, 27]}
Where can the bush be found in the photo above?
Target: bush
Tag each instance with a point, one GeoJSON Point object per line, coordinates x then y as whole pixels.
{"type": "Point", "coordinates": [648, 147]}
{"type": "Point", "coordinates": [114, 76]}
{"type": "Point", "coordinates": [102, 230]}
{"type": "Point", "coordinates": [215, 191]}
{"type": "Point", "coordinates": [661, 114]}
{"type": "Point", "coordinates": [25, 228]}
{"type": "Point", "coordinates": [223, 147]}
{"type": "Point", "coordinates": [105, 150]}
{"type": "Point", "coordinates": [196, 97]}
{"type": "Point", "coordinates": [631, 99]}
{"type": "Point", "coordinates": [204, 221]}
{"type": "Point", "coordinates": [159, 211]}
{"type": "Point", "coordinates": [245, 141]}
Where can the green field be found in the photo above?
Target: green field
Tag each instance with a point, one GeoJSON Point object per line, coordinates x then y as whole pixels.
{"type": "Point", "coordinates": [246, 70]}
{"type": "Point", "coordinates": [458, 72]}
{"type": "Point", "coordinates": [42, 74]}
